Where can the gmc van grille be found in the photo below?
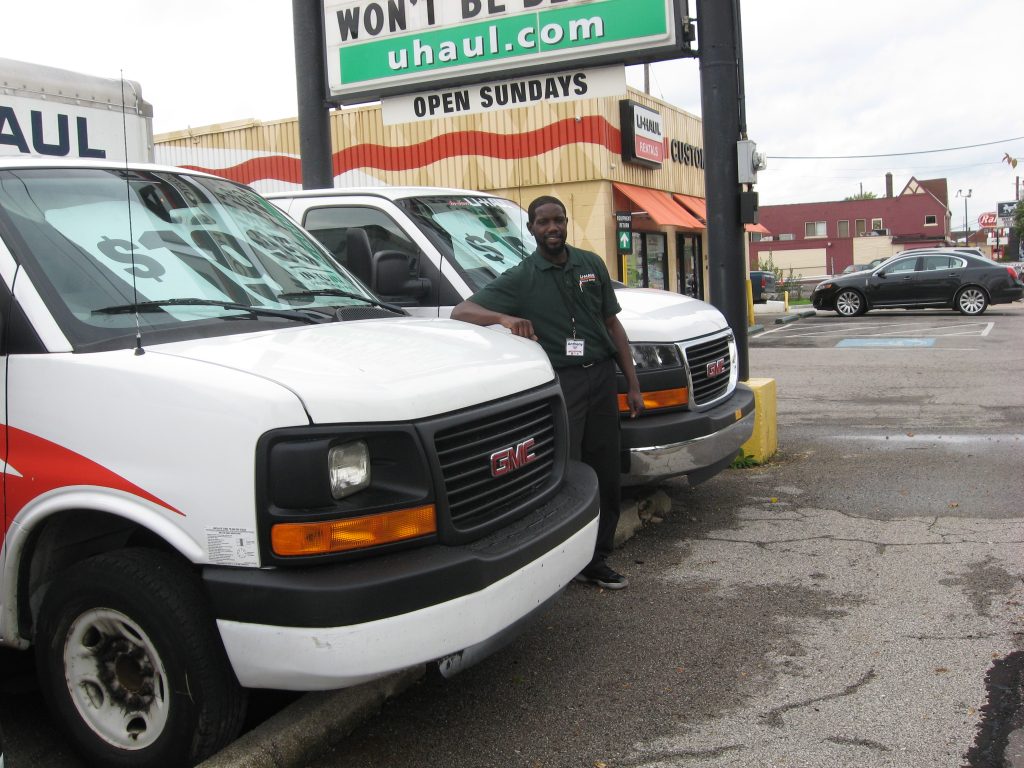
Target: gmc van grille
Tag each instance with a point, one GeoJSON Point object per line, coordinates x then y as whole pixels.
{"type": "Point", "coordinates": [705, 388]}
{"type": "Point", "coordinates": [490, 466]}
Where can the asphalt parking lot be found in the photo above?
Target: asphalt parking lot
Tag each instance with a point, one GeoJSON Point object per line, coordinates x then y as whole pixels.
{"type": "Point", "coordinates": [882, 329]}
{"type": "Point", "coordinates": [857, 601]}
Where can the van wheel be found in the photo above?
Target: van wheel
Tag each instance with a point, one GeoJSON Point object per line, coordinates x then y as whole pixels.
{"type": "Point", "coordinates": [131, 665]}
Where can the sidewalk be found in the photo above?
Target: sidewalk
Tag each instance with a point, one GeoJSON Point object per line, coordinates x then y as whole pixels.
{"type": "Point", "coordinates": [775, 313]}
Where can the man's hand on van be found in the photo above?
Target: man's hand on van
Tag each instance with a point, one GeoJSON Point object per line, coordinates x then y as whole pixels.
{"type": "Point", "coordinates": [471, 312]}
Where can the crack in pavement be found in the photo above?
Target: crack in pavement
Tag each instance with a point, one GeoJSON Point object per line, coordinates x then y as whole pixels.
{"type": "Point", "coordinates": [773, 717]}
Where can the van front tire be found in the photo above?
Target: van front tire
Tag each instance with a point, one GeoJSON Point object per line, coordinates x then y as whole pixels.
{"type": "Point", "coordinates": [131, 665]}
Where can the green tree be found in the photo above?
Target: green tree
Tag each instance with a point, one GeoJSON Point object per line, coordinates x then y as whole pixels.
{"type": "Point", "coordinates": [862, 196]}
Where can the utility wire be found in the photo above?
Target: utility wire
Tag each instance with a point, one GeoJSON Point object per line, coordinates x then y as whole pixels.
{"type": "Point", "coordinates": [891, 154]}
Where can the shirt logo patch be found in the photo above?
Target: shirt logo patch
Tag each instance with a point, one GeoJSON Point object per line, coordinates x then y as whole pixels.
{"type": "Point", "coordinates": [588, 277]}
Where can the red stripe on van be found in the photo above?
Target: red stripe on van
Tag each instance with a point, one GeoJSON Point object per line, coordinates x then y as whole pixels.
{"type": "Point", "coordinates": [36, 466]}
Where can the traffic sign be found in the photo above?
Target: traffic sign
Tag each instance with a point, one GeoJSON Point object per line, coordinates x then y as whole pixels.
{"type": "Point", "coordinates": [624, 231]}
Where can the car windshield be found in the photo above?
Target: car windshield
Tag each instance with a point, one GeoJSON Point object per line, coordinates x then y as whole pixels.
{"type": "Point", "coordinates": [483, 236]}
{"type": "Point", "coordinates": [171, 254]}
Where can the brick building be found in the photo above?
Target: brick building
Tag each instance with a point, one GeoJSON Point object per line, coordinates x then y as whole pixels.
{"type": "Point", "coordinates": [815, 239]}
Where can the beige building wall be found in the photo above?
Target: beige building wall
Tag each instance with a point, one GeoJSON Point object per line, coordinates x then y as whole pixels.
{"type": "Point", "coordinates": [867, 249]}
{"type": "Point", "coordinates": [569, 149]}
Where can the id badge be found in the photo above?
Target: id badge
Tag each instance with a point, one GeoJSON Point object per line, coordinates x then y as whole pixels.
{"type": "Point", "coordinates": [574, 347]}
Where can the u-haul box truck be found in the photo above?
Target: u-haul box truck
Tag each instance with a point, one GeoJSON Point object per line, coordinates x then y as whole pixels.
{"type": "Point", "coordinates": [227, 465]}
{"type": "Point", "coordinates": [55, 113]}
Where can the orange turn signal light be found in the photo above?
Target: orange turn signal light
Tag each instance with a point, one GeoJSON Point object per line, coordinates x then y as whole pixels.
{"type": "Point", "coordinates": [662, 398]}
{"type": "Point", "coordinates": [294, 539]}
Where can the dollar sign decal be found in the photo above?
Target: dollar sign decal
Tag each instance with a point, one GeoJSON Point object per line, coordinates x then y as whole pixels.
{"type": "Point", "coordinates": [123, 251]}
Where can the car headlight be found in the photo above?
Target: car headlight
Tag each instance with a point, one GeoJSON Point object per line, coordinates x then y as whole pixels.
{"type": "Point", "coordinates": [824, 286]}
{"type": "Point", "coordinates": [348, 466]}
{"type": "Point", "coordinates": [648, 356]}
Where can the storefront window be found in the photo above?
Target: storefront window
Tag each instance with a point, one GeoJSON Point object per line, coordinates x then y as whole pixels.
{"type": "Point", "coordinates": [646, 266]}
{"type": "Point", "coordinates": [657, 272]}
{"type": "Point", "coordinates": [632, 263]}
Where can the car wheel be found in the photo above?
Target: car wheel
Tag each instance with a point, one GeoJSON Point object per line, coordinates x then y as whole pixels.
{"type": "Point", "coordinates": [849, 303]}
{"type": "Point", "coordinates": [971, 301]}
{"type": "Point", "coordinates": [130, 662]}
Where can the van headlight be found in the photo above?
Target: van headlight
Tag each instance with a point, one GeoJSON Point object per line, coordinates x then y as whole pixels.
{"type": "Point", "coordinates": [650, 356]}
{"type": "Point", "coordinates": [348, 466]}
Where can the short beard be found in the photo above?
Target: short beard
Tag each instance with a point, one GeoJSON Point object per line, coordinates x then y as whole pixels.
{"type": "Point", "coordinates": [543, 246]}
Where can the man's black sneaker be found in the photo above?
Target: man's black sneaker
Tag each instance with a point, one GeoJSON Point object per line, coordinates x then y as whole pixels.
{"type": "Point", "coordinates": [602, 575]}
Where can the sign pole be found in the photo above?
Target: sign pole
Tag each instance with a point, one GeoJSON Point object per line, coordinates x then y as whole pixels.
{"type": "Point", "coordinates": [721, 105]}
{"type": "Point", "coordinates": [311, 83]}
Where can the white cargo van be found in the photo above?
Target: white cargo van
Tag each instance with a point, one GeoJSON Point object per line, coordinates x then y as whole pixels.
{"type": "Point", "coordinates": [226, 465]}
{"type": "Point", "coordinates": [430, 248]}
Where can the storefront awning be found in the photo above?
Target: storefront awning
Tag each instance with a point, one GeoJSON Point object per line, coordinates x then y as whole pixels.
{"type": "Point", "coordinates": [694, 205]}
{"type": "Point", "coordinates": [659, 206]}
{"type": "Point", "coordinates": [698, 207]}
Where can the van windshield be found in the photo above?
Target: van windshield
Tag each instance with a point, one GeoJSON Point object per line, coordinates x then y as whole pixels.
{"type": "Point", "coordinates": [483, 236]}
{"type": "Point", "coordinates": [175, 255]}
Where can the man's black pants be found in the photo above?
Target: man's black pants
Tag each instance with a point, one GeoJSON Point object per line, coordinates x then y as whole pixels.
{"type": "Point", "coordinates": [591, 399]}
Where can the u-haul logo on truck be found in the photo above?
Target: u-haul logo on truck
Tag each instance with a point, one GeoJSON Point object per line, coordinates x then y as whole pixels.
{"type": "Point", "coordinates": [36, 127]}
{"type": "Point", "coordinates": [512, 458]}
{"type": "Point", "coordinates": [47, 134]}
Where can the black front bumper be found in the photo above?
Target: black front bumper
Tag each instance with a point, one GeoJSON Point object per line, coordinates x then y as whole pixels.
{"type": "Point", "coordinates": [340, 594]}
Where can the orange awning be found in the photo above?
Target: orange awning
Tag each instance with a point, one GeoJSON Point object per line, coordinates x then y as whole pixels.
{"type": "Point", "coordinates": [698, 207]}
{"type": "Point", "coordinates": [659, 206]}
{"type": "Point", "coordinates": [694, 205]}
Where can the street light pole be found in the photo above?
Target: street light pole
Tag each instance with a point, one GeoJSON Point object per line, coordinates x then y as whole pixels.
{"type": "Point", "coordinates": [961, 193]}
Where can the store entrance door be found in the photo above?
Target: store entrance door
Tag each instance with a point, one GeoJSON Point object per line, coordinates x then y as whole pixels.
{"type": "Point", "coordinates": [690, 265]}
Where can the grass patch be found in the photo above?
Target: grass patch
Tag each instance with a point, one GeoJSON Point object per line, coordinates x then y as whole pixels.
{"type": "Point", "coordinates": [744, 460]}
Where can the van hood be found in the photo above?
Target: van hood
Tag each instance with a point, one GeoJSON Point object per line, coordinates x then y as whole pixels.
{"type": "Point", "coordinates": [650, 314]}
{"type": "Point", "coordinates": [396, 369]}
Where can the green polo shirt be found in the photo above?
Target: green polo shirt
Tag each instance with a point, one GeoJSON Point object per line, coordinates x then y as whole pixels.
{"type": "Point", "coordinates": [555, 299]}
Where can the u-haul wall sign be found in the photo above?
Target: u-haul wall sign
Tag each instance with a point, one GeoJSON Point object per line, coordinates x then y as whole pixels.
{"type": "Point", "coordinates": [387, 47]}
{"type": "Point", "coordinates": [643, 137]}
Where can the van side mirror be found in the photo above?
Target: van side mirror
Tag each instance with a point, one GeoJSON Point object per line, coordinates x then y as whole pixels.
{"type": "Point", "coordinates": [393, 277]}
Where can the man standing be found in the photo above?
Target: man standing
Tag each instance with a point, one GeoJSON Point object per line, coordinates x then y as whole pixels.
{"type": "Point", "coordinates": [562, 297]}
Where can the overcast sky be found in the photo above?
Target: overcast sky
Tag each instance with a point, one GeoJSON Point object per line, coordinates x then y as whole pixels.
{"type": "Point", "coordinates": [823, 78]}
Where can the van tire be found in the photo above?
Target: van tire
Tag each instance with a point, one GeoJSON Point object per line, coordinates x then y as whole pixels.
{"type": "Point", "coordinates": [164, 693]}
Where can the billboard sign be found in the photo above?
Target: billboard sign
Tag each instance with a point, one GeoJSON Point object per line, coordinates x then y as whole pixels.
{"type": "Point", "coordinates": [987, 219]}
{"type": "Point", "coordinates": [1005, 212]}
{"type": "Point", "coordinates": [375, 49]}
{"type": "Point", "coordinates": [570, 85]}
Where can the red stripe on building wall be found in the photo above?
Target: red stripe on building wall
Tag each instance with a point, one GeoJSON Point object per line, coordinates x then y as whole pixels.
{"type": "Point", "coordinates": [588, 130]}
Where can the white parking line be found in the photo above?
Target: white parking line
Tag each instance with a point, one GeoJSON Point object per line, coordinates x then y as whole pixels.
{"type": "Point", "coordinates": [878, 330]}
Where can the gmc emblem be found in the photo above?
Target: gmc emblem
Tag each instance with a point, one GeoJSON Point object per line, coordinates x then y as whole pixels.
{"type": "Point", "coordinates": [512, 458]}
{"type": "Point", "coordinates": [716, 367]}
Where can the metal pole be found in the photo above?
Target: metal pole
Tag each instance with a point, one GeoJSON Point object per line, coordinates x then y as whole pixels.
{"type": "Point", "coordinates": [717, 34]}
{"type": "Point", "coordinates": [967, 235]}
{"type": "Point", "coordinates": [311, 89]}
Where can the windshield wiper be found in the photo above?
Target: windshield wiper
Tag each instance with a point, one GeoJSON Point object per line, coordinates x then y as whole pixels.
{"type": "Point", "coordinates": [150, 306]}
{"type": "Point", "coordinates": [346, 294]}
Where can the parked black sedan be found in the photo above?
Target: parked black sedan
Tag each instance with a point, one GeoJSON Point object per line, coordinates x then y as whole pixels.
{"type": "Point", "coordinates": [919, 279]}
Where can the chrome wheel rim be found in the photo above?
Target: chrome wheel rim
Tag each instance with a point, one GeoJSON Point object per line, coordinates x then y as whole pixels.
{"type": "Point", "coordinates": [972, 301]}
{"type": "Point", "coordinates": [848, 303]}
